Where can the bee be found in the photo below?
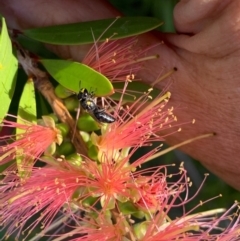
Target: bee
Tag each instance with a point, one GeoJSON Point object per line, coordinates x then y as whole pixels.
{"type": "Point", "coordinates": [86, 100]}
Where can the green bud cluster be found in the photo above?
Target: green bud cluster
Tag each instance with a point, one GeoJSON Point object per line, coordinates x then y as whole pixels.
{"type": "Point", "coordinates": [85, 124]}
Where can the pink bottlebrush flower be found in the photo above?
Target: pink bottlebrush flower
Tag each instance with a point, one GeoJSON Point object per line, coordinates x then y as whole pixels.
{"type": "Point", "coordinates": [187, 227]}
{"type": "Point", "coordinates": [30, 142]}
{"type": "Point", "coordinates": [99, 226]}
{"type": "Point", "coordinates": [116, 59]}
{"type": "Point", "coordinates": [152, 188]}
{"type": "Point", "coordinates": [108, 181]}
{"type": "Point", "coordinates": [112, 181]}
{"type": "Point", "coordinates": [66, 189]}
{"type": "Point", "coordinates": [112, 224]}
{"type": "Point", "coordinates": [192, 227]}
{"type": "Point", "coordinates": [117, 180]}
{"type": "Point", "coordinates": [138, 125]}
{"type": "Point", "coordinates": [44, 193]}
{"type": "Point", "coordinates": [49, 189]}
{"type": "Point", "coordinates": [195, 227]}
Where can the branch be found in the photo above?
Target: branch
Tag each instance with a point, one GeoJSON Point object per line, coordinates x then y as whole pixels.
{"type": "Point", "coordinates": [45, 87]}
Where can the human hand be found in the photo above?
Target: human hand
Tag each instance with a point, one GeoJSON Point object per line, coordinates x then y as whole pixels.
{"type": "Point", "coordinates": [207, 57]}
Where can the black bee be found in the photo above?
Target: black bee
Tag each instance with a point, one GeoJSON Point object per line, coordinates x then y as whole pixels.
{"type": "Point", "coordinates": [86, 100]}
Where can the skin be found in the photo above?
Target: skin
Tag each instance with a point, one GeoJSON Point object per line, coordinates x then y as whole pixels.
{"type": "Point", "coordinates": [206, 52]}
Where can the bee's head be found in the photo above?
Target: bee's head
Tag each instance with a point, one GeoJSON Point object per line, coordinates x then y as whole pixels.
{"type": "Point", "coordinates": [83, 94]}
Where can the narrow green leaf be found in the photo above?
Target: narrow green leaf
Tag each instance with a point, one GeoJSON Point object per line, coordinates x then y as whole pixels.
{"type": "Point", "coordinates": [8, 71]}
{"type": "Point", "coordinates": [164, 9]}
{"type": "Point", "coordinates": [27, 106]}
{"type": "Point", "coordinates": [27, 111]}
{"type": "Point", "coordinates": [74, 75]}
{"type": "Point", "coordinates": [134, 90]}
{"type": "Point", "coordinates": [82, 33]}
{"type": "Point", "coordinates": [43, 107]}
{"type": "Point", "coordinates": [35, 47]}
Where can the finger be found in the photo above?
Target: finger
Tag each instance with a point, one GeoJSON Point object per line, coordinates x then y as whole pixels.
{"type": "Point", "coordinates": [217, 39]}
{"type": "Point", "coordinates": [191, 16]}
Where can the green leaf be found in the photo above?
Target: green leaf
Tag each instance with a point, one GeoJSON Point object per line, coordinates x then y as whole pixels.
{"type": "Point", "coordinates": [74, 75]}
{"type": "Point", "coordinates": [134, 90]}
{"type": "Point", "coordinates": [8, 70]}
{"type": "Point", "coordinates": [86, 32]}
{"type": "Point", "coordinates": [164, 10]}
{"type": "Point", "coordinates": [27, 111]}
{"type": "Point", "coordinates": [35, 47]}
{"type": "Point", "coordinates": [43, 107]}
{"type": "Point", "coordinates": [27, 106]}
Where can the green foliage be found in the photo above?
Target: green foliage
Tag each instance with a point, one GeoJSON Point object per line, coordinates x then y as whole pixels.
{"type": "Point", "coordinates": [35, 47]}
{"type": "Point", "coordinates": [161, 9]}
{"type": "Point", "coordinates": [27, 106]}
{"type": "Point", "coordinates": [26, 111]}
{"type": "Point", "coordinates": [8, 71]}
{"type": "Point", "coordinates": [87, 32]}
{"type": "Point", "coordinates": [164, 10]}
{"type": "Point", "coordinates": [74, 75]}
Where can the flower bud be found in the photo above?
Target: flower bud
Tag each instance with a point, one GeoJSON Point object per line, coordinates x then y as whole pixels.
{"type": "Point", "coordinates": [87, 123]}
{"type": "Point", "coordinates": [66, 148]}
{"type": "Point", "coordinates": [74, 158]}
{"type": "Point", "coordinates": [127, 208]}
{"type": "Point", "coordinates": [71, 103]}
{"type": "Point", "coordinates": [85, 136]}
{"type": "Point", "coordinates": [51, 149]}
{"type": "Point", "coordinates": [140, 229]}
{"type": "Point", "coordinates": [64, 129]}
{"type": "Point", "coordinates": [93, 152]}
{"type": "Point", "coordinates": [55, 118]}
{"type": "Point", "coordinates": [62, 92]}
{"type": "Point", "coordinates": [89, 201]}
